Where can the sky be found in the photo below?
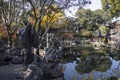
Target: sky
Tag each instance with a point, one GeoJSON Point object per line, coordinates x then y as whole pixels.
{"type": "Point", "coordinates": [95, 4]}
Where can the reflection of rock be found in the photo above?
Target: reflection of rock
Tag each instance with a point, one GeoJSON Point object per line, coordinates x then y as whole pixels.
{"type": "Point", "coordinates": [115, 55]}
{"type": "Point", "coordinates": [90, 63]}
{"type": "Point", "coordinates": [104, 64]}
{"type": "Point", "coordinates": [56, 72]}
{"type": "Point", "coordinates": [113, 78]}
{"type": "Point", "coordinates": [83, 68]}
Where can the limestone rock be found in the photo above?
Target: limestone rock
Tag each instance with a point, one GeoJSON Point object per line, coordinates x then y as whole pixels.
{"type": "Point", "coordinates": [6, 58]}
{"type": "Point", "coordinates": [52, 54]}
{"type": "Point", "coordinates": [17, 60]}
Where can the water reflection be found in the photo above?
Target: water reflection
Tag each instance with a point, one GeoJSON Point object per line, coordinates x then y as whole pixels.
{"type": "Point", "coordinates": [90, 63]}
{"type": "Point", "coordinates": [92, 67]}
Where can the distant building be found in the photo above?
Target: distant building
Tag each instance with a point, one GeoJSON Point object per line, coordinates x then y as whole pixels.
{"type": "Point", "coordinates": [115, 31]}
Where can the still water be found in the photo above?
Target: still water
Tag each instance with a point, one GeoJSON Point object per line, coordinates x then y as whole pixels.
{"type": "Point", "coordinates": [92, 68]}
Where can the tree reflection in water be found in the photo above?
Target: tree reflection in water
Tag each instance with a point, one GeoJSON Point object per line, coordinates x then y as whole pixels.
{"type": "Point", "coordinates": [91, 66]}
{"type": "Point", "coordinates": [93, 62]}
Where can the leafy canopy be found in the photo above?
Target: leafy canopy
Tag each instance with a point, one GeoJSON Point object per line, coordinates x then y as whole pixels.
{"type": "Point", "coordinates": [112, 6]}
{"type": "Point", "coordinates": [50, 18]}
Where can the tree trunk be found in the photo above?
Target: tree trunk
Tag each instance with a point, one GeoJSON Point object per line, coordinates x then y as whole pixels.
{"type": "Point", "coordinates": [47, 43]}
{"type": "Point", "coordinates": [9, 35]}
{"type": "Point", "coordinates": [9, 40]}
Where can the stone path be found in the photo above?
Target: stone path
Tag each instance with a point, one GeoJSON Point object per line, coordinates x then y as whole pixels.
{"type": "Point", "coordinates": [11, 72]}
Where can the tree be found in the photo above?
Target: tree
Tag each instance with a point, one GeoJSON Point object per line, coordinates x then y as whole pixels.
{"type": "Point", "coordinates": [50, 18]}
{"type": "Point", "coordinates": [10, 11]}
{"type": "Point", "coordinates": [18, 10]}
{"type": "Point", "coordinates": [89, 21]}
{"type": "Point", "coordinates": [106, 21]}
{"type": "Point", "coordinates": [69, 24]}
{"type": "Point", "coordinates": [45, 7]}
{"type": "Point", "coordinates": [48, 11]}
{"type": "Point", "coordinates": [103, 16]}
{"type": "Point", "coordinates": [112, 6]}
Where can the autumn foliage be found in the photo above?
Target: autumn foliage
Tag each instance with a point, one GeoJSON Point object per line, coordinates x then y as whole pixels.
{"type": "Point", "coordinates": [51, 16]}
{"type": "Point", "coordinates": [3, 32]}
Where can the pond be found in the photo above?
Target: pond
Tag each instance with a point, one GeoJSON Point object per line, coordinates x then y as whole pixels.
{"type": "Point", "coordinates": [92, 67]}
